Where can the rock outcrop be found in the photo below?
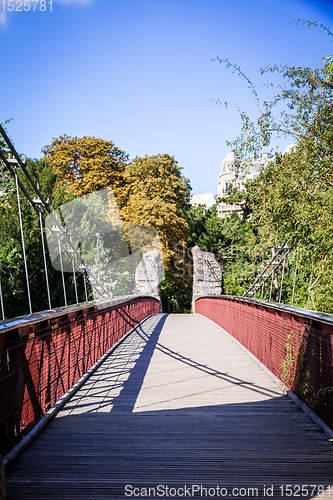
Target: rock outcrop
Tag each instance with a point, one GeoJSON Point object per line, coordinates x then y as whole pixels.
{"type": "Point", "coordinates": [148, 275]}
{"type": "Point", "coordinates": [207, 275]}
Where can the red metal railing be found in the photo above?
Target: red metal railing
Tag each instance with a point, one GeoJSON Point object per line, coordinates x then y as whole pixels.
{"type": "Point", "coordinates": [41, 361]}
{"type": "Point", "coordinates": [296, 345]}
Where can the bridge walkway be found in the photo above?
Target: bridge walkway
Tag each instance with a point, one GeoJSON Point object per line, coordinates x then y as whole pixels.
{"type": "Point", "coordinates": [178, 404]}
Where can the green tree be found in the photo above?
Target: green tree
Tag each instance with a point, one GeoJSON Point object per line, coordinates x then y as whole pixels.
{"type": "Point", "coordinates": [11, 253]}
{"type": "Point", "coordinates": [233, 242]}
{"type": "Point", "coordinates": [293, 197]}
{"type": "Point", "coordinates": [301, 107]}
{"type": "Point", "coordinates": [150, 191]}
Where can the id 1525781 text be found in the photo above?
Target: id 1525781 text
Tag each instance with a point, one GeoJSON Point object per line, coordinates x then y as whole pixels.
{"type": "Point", "coordinates": [26, 5]}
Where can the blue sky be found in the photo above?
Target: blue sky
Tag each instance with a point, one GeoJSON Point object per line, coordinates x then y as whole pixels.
{"type": "Point", "coordinates": [139, 72]}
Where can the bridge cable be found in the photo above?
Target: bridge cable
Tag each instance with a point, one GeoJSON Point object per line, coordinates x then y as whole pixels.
{"type": "Point", "coordinates": [93, 280]}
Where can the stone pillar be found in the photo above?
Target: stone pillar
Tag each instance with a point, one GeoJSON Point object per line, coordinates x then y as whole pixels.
{"type": "Point", "coordinates": [148, 275]}
{"type": "Point", "coordinates": [207, 275]}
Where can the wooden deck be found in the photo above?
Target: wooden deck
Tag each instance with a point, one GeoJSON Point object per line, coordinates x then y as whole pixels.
{"type": "Point", "coordinates": [180, 405]}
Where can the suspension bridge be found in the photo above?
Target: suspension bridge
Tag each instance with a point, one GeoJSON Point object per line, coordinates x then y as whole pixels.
{"type": "Point", "coordinates": [179, 405]}
{"type": "Point", "coordinates": [111, 398]}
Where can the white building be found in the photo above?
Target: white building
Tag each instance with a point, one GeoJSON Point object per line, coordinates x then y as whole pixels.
{"type": "Point", "coordinates": [203, 199]}
{"type": "Point", "coordinates": [237, 174]}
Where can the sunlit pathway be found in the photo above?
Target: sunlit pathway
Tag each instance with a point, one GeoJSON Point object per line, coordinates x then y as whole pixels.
{"type": "Point", "coordinates": [178, 406]}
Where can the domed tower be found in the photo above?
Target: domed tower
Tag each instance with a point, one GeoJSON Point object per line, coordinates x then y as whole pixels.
{"type": "Point", "coordinates": [227, 177]}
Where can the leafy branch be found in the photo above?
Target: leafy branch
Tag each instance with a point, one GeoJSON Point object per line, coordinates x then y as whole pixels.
{"type": "Point", "coordinates": [301, 98]}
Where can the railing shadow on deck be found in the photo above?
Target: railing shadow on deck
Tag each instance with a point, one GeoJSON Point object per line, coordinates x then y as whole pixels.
{"type": "Point", "coordinates": [41, 360]}
{"type": "Point", "coordinates": [295, 344]}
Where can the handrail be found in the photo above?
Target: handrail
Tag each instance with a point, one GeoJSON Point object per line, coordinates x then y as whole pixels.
{"type": "Point", "coordinates": [294, 344]}
{"type": "Point", "coordinates": [30, 319]}
{"type": "Point", "coordinates": [300, 311]}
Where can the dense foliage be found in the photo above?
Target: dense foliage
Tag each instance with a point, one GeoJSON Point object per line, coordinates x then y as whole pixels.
{"type": "Point", "coordinates": [150, 192]}
{"type": "Point", "coordinates": [155, 193]}
{"type": "Point", "coordinates": [233, 242]}
{"type": "Point", "coordinates": [12, 271]}
{"type": "Point", "coordinates": [292, 197]}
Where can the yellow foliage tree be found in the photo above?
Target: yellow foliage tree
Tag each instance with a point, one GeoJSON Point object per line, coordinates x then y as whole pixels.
{"type": "Point", "coordinates": [150, 191]}
{"type": "Point", "coordinates": [86, 164]}
{"type": "Point", "coordinates": [155, 193]}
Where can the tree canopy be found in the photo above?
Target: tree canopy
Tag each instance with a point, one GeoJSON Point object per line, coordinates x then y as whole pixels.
{"type": "Point", "coordinates": [293, 196]}
{"type": "Point", "coordinates": [150, 191]}
{"type": "Point", "coordinates": [301, 107]}
{"type": "Point", "coordinates": [86, 164]}
{"type": "Point", "coordinates": [155, 193]}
